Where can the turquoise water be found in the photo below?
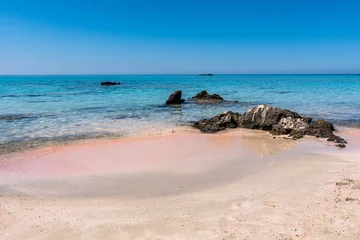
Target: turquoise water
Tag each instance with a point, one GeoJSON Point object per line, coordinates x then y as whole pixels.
{"type": "Point", "coordinates": [48, 108]}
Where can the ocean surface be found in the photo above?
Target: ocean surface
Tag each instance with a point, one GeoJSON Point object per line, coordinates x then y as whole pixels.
{"type": "Point", "coordinates": [47, 109]}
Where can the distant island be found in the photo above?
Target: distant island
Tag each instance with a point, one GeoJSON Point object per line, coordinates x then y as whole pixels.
{"type": "Point", "coordinates": [206, 74]}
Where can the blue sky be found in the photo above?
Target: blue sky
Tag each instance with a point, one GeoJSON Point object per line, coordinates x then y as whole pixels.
{"type": "Point", "coordinates": [163, 36]}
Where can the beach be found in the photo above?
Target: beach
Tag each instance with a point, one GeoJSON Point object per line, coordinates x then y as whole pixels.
{"type": "Point", "coordinates": [238, 184]}
{"type": "Point", "coordinates": [79, 160]}
{"type": "Point", "coordinates": [179, 120]}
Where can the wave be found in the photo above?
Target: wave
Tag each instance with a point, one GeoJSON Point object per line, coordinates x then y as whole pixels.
{"type": "Point", "coordinates": [20, 116]}
{"type": "Point", "coordinates": [33, 143]}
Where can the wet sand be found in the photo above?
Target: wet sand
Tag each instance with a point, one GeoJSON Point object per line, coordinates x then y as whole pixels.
{"type": "Point", "coordinates": [239, 184]}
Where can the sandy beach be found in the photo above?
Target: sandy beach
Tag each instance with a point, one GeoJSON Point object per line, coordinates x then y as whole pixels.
{"type": "Point", "coordinates": [239, 184]}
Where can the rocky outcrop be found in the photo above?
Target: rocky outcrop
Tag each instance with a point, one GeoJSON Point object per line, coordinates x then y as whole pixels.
{"type": "Point", "coordinates": [204, 96]}
{"type": "Point", "coordinates": [206, 74]}
{"type": "Point", "coordinates": [219, 122]}
{"type": "Point", "coordinates": [275, 120]}
{"type": "Point", "coordinates": [288, 124]}
{"type": "Point", "coordinates": [175, 98]}
{"type": "Point", "coordinates": [264, 117]}
{"type": "Point", "coordinates": [109, 83]}
{"type": "Point", "coordinates": [320, 129]}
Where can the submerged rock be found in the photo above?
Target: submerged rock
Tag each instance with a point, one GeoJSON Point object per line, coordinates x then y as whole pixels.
{"type": "Point", "coordinates": [204, 96]}
{"type": "Point", "coordinates": [109, 83]}
{"type": "Point", "coordinates": [220, 122]}
{"type": "Point", "coordinates": [175, 98]}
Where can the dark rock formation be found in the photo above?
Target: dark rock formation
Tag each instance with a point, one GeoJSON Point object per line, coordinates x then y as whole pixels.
{"type": "Point", "coordinates": [321, 128]}
{"type": "Point", "coordinates": [264, 117]}
{"type": "Point", "coordinates": [109, 83]}
{"type": "Point", "coordinates": [336, 139]}
{"type": "Point", "coordinates": [204, 96]}
{"type": "Point", "coordinates": [175, 98]}
{"type": "Point", "coordinates": [206, 74]}
{"type": "Point", "coordinates": [219, 122]}
{"type": "Point", "coordinates": [277, 121]}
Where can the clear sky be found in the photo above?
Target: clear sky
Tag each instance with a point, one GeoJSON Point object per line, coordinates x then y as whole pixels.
{"type": "Point", "coordinates": [187, 36]}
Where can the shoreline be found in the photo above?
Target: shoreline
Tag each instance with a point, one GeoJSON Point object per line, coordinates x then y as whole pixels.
{"type": "Point", "coordinates": [190, 153]}
{"type": "Point", "coordinates": [18, 149]}
{"type": "Point", "coordinates": [190, 156]}
{"type": "Point", "coordinates": [306, 190]}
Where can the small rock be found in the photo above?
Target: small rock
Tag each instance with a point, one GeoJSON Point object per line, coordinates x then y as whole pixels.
{"type": "Point", "coordinates": [341, 145]}
{"type": "Point", "coordinates": [206, 97]}
{"type": "Point", "coordinates": [175, 98]}
{"type": "Point", "coordinates": [109, 83]}
{"type": "Point", "coordinates": [336, 139]}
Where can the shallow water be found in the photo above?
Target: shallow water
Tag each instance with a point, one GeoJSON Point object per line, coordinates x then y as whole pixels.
{"type": "Point", "coordinates": [59, 108]}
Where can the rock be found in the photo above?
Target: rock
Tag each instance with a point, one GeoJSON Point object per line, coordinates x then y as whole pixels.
{"type": "Point", "coordinates": [204, 96]}
{"type": "Point", "coordinates": [277, 121]}
{"type": "Point", "coordinates": [288, 124]}
{"type": "Point", "coordinates": [320, 128]}
{"type": "Point", "coordinates": [336, 139]}
{"type": "Point", "coordinates": [219, 122]}
{"type": "Point", "coordinates": [206, 74]}
{"type": "Point", "coordinates": [109, 83]}
{"type": "Point", "coordinates": [264, 117]}
{"type": "Point", "coordinates": [175, 98]}
{"type": "Point", "coordinates": [341, 145]}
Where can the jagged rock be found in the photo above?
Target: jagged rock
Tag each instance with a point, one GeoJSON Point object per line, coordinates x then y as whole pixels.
{"type": "Point", "coordinates": [204, 96]}
{"type": "Point", "coordinates": [175, 98]}
{"type": "Point", "coordinates": [320, 128]}
{"type": "Point", "coordinates": [336, 139]}
{"type": "Point", "coordinates": [219, 122]}
{"type": "Point", "coordinates": [109, 83]}
{"type": "Point", "coordinates": [341, 145]}
{"type": "Point", "coordinates": [264, 117]}
{"type": "Point", "coordinates": [277, 121]}
{"type": "Point", "coordinates": [289, 124]}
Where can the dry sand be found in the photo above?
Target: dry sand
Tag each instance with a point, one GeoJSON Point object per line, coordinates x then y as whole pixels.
{"type": "Point", "coordinates": [234, 185]}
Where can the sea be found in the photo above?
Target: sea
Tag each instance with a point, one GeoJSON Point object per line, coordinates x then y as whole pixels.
{"type": "Point", "coordinates": [40, 110]}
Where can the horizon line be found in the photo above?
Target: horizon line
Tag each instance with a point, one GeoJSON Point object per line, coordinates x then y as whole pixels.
{"type": "Point", "coordinates": [127, 74]}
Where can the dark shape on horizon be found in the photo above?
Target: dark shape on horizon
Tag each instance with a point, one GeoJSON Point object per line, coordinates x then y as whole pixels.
{"type": "Point", "coordinates": [206, 74]}
{"type": "Point", "coordinates": [275, 120]}
{"type": "Point", "coordinates": [109, 83]}
{"type": "Point", "coordinates": [175, 98]}
{"type": "Point", "coordinates": [204, 96]}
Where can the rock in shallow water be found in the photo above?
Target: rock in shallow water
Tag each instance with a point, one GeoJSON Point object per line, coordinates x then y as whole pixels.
{"type": "Point", "coordinates": [109, 83]}
{"type": "Point", "coordinates": [206, 97]}
{"type": "Point", "coordinates": [175, 98]}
